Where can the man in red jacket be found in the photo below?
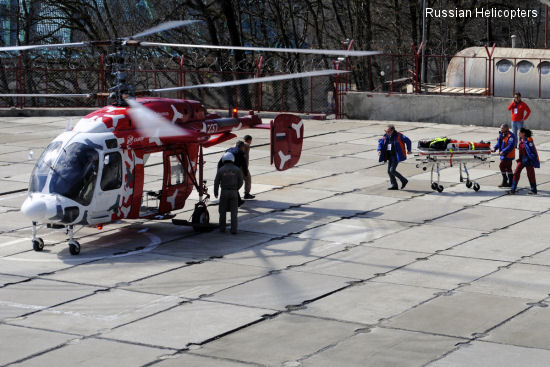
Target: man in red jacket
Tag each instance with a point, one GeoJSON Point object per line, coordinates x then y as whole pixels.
{"type": "Point", "coordinates": [520, 113]}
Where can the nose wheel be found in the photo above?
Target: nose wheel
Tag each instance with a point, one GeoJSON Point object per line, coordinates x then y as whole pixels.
{"type": "Point", "coordinates": [74, 247]}
{"type": "Point", "coordinates": [38, 244]}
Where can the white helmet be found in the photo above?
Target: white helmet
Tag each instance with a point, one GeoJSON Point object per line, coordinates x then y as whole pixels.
{"type": "Point", "coordinates": [228, 156]}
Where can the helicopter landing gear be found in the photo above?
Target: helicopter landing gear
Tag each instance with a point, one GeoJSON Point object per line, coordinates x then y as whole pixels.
{"type": "Point", "coordinates": [37, 242]}
{"type": "Point", "coordinates": [74, 246]}
{"type": "Point", "coordinates": [200, 218]}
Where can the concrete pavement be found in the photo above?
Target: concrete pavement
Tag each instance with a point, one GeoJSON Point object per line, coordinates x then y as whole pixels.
{"type": "Point", "coordinates": [329, 268]}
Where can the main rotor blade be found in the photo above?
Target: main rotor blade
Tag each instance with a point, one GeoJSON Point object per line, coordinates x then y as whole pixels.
{"type": "Point", "coordinates": [264, 79]}
{"type": "Point", "coordinates": [164, 27]}
{"type": "Point", "coordinates": [153, 125]}
{"type": "Point", "coordinates": [48, 95]}
{"type": "Point", "coordinates": [266, 49]}
{"type": "Point", "coordinates": [54, 45]}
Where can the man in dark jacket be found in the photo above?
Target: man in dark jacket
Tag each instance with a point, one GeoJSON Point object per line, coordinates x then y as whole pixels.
{"type": "Point", "coordinates": [238, 152]}
{"type": "Point", "coordinates": [248, 177]}
{"type": "Point", "coordinates": [391, 148]}
{"type": "Point", "coordinates": [230, 178]}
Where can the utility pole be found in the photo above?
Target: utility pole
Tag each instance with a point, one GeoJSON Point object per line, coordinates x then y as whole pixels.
{"type": "Point", "coordinates": [423, 67]}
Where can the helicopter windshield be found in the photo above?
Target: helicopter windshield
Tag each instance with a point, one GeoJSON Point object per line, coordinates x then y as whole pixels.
{"type": "Point", "coordinates": [75, 173]}
{"type": "Point", "coordinates": [43, 165]}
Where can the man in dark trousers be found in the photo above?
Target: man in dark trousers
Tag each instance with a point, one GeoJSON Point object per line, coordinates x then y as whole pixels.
{"type": "Point", "coordinates": [247, 178]}
{"type": "Point", "coordinates": [391, 148]}
{"type": "Point", "coordinates": [506, 145]}
{"type": "Point", "coordinates": [528, 158]}
{"type": "Point", "coordinates": [230, 178]}
{"type": "Point", "coordinates": [238, 152]}
{"type": "Point", "coordinates": [520, 113]}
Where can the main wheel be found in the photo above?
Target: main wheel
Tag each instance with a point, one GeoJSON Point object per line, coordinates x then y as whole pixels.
{"type": "Point", "coordinates": [434, 185]}
{"type": "Point", "coordinates": [476, 187]}
{"type": "Point", "coordinates": [74, 247]}
{"type": "Point", "coordinates": [469, 183]}
{"type": "Point", "coordinates": [201, 217]}
{"type": "Point", "coordinates": [440, 188]}
{"type": "Point", "coordinates": [38, 244]}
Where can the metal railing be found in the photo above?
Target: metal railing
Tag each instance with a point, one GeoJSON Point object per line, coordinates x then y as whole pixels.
{"type": "Point", "coordinates": [485, 75]}
{"type": "Point", "coordinates": [307, 95]}
{"type": "Point", "coordinates": [460, 75]}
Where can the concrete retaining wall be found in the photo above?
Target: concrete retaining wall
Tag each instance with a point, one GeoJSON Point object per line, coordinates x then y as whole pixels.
{"type": "Point", "coordinates": [460, 110]}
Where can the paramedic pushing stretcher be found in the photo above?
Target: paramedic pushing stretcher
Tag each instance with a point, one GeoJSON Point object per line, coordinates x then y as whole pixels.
{"type": "Point", "coordinates": [528, 159]}
{"type": "Point", "coordinates": [506, 145]}
{"type": "Point", "coordinates": [391, 148]}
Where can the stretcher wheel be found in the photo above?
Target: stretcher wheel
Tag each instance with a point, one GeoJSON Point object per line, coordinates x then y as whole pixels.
{"type": "Point", "coordinates": [469, 184]}
{"type": "Point", "coordinates": [476, 187]}
{"type": "Point", "coordinates": [434, 185]}
{"type": "Point", "coordinates": [440, 188]}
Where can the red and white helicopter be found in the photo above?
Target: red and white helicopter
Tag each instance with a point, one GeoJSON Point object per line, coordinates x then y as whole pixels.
{"type": "Point", "coordinates": [94, 173]}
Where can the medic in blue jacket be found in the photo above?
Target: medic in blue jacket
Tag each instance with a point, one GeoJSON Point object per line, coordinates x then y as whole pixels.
{"type": "Point", "coordinates": [528, 158]}
{"type": "Point", "coordinates": [391, 148]}
{"type": "Point", "coordinates": [506, 145]}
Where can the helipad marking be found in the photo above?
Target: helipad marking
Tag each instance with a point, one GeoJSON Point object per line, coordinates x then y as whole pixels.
{"type": "Point", "coordinates": [155, 241]}
{"type": "Point", "coordinates": [9, 243]}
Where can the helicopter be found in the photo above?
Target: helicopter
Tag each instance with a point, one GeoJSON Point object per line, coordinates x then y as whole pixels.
{"type": "Point", "coordinates": [93, 174]}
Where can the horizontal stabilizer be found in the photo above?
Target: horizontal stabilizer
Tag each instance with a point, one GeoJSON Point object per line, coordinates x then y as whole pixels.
{"type": "Point", "coordinates": [218, 138]}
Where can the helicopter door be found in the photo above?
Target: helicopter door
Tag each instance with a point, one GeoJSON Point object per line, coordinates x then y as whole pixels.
{"type": "Point", "coordinates": [108, 198]}
{"type": "Point", "coordinates": [176, 186]}
{"type": "Point", "coordinates": [153, 182]}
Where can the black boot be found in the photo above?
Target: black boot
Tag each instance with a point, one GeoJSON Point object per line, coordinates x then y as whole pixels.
{"type": "Point", "coordinates": [533, 189]}
{"type": "Point", "coordinates": [510, 179]}
{"type": "Point", "coordinates": [504, 181]}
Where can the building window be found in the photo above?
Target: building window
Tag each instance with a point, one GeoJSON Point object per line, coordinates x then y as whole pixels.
{"type": "Point", "coordinates": [544, 68]}
{"type": "Point", "coordinates": [525, 66]}
{"type": "Point", "coordinates": [504, 65]}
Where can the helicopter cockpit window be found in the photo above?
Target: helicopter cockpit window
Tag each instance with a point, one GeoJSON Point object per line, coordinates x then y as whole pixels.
{"type": "Point", "coordinates": [177, 174]}
{"type": "Point", "coordinates": [43, 165]}
{"type": "Point", "coordinates": [75, 173]}
{"type": "Point", "coordinates": [111, 178]}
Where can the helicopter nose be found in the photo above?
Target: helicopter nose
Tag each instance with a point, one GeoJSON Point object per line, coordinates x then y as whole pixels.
{"type": "Point", "coordinates": [38, 208]}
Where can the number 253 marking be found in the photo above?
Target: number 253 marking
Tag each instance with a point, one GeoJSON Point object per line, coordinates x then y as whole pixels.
{"type": "Point", "coordinates": [211, 128]}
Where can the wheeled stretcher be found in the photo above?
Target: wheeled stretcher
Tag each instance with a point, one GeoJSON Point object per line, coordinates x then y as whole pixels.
{"type": "Point", "coordinates": [436, 154]}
